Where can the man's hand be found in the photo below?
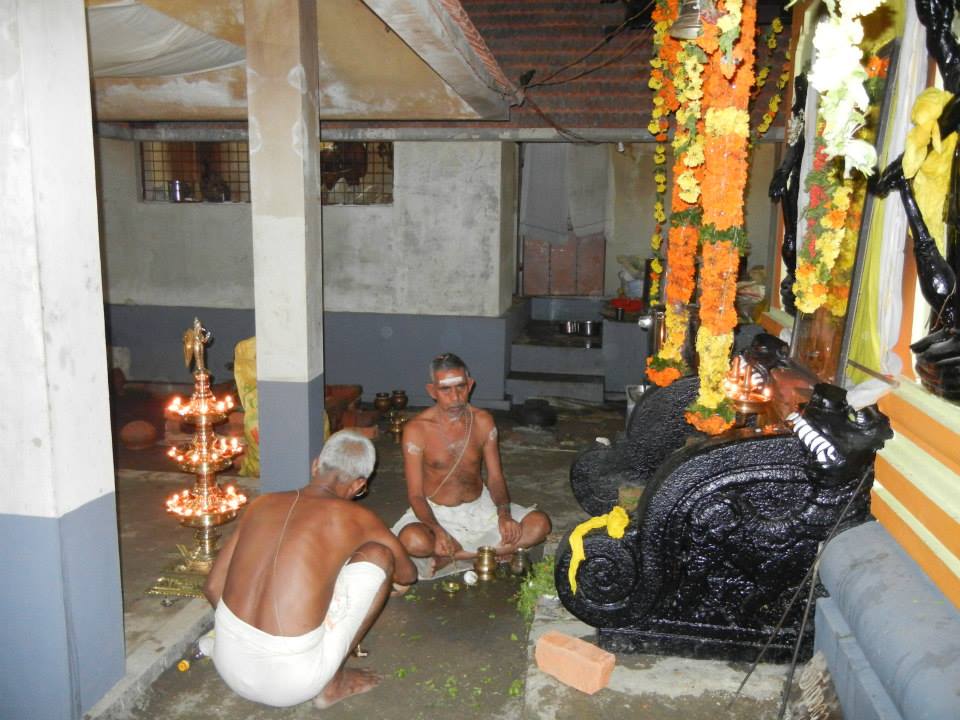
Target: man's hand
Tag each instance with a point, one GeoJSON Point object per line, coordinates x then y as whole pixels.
{"type": "Point", "coordinates": [510, 530]}
{"type": "Point", "coordinates": [444, 544]}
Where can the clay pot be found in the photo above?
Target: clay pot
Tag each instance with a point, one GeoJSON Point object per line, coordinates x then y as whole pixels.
{"type": "Point", "coordinates": [138, 435]}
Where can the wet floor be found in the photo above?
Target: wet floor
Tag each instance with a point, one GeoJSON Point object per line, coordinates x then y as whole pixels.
{"type": "Point", "coordinates": [463, 655]}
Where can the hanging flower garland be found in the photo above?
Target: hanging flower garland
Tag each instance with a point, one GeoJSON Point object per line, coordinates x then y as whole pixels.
{"type": "Point", "coordinates": [838, 286]}
{"type": "Point", "coordinates": [668, 365]}
{"type": "Point", "coordinates": [827, 254]}
{"type": "Point", "coordinates": [838, 75]}
{"type": "Point", "coordinates": [662, 63]}
{"type": "Point", "coordinates": [825, 227]}
{"type": "Point", "coordinates": [728, 79]}
{"type": "Point", "coordinates": [771, 38]}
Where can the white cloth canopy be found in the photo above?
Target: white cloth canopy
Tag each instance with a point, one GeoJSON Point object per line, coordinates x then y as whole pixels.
{"type": "Point", "coordinates": [128, 39]}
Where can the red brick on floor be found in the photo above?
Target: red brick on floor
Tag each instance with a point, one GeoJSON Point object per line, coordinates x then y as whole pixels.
{"type": "Point", "coordinates": [563, 267]}
{"type": "Point", "coordinates": [536, 266]}
{"type": "Point", "coordinates": [591, 253]}
{"type": "Point", "coordinates": [574, 662]}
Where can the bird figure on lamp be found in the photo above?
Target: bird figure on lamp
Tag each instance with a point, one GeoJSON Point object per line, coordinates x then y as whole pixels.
{"type": "Point", "coordinates": [194, 339]}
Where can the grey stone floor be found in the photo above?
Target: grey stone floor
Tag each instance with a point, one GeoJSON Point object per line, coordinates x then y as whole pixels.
{"type": "Point", "coordinates": [466, 655]}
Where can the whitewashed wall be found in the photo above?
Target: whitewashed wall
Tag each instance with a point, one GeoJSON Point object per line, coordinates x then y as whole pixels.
{"type": "Point", "coordinates": [630, 208]}
{"type": "Point", "coordinates": [154, 253]}
{"type": "Point", "coordinates": [438, 249]}
{"type": "Point", "coordinates": [442, 248]}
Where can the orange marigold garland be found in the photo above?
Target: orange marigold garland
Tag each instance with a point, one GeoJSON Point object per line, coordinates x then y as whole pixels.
{"type": "Point", "coordinates": [662, 65]}
{"type": "Point", "coordinates": [668, 365]}
{"type": "Point", "coordinates": [729, 45]}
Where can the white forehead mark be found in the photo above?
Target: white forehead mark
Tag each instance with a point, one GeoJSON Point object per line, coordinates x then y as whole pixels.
{"type": "Point", "coordinates": [413, 449]}
{"type": "Point", "coordinates": [453, 380]}
{"type": "Point", "coordinates": [493, 434]}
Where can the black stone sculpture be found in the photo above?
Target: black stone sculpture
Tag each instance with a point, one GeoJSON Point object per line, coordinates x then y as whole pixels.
{"type": "Point", "coordinates": [655, 429]}
{"type": "Point", "coordinates": [724, 535]}
{"type": "Point", "coordinates": [937, 354]}
{"type": "Point", "coordinates": [785, 188]}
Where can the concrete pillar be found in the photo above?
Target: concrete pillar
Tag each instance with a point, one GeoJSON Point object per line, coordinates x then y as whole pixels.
{"type": "Point", "coordinates": [62, 629]}
{"type": "Point", "coordinates": [282, 82]}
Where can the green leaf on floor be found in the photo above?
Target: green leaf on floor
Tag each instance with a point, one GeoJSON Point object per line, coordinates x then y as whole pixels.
{"type": "Point", "coordinates": [539, 582]}
{"type": "Point", "coordinates": [516, 688]}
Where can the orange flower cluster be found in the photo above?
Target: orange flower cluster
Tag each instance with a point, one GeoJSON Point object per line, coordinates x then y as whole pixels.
{"type": "Point", "coordinates": [681, 252]}
{"type": "Point", "coordinates": [711, 424]}
{"type": "Point", "coordinates": [877, 67]}
{"type": "Point", "coordinates": [726, 162]}
{"type": "Point", "coordinates": [664, 377]}
{"type": "Point", "coordinates": [718, 287]}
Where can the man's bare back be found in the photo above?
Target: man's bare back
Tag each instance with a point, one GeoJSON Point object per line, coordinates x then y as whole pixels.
{"type": "Point", "coordinates": [310, 565]}
{"type": "Point", "coordinates": [320, 534]}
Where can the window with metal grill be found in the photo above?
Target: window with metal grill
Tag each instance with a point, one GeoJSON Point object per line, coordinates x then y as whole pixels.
{"type": "Point", "coordinates": [195, 171]}
{"type": "Point", "coordinates": [356, 173]}
{"type": "Point", "coordinates": [352, 173]}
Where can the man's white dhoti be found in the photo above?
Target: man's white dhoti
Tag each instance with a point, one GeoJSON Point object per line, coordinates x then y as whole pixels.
{"type": "Point", "coordinates": [471, 524]}
{"type": "Point", "coordinates": [283, 671]}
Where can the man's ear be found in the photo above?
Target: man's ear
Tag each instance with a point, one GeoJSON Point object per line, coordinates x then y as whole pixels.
{"type": "Point", "coordinates": [358, 488]}
{"type": "Point", "coordinates": [470, 383]}
{"type": "Point", "coordinates": [431, 390]}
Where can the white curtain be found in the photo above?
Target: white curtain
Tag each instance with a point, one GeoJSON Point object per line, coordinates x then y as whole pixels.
{"type": "Point", "coordinates": [911, 80]}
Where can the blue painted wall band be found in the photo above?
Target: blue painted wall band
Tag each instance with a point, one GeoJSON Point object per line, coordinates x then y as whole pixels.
{"type": "Point", "coordinates": [62, 635]}
{"type": "Point", "coordinates": [291, 431]}
{"type": "Point", "coordinates": [379, 351]}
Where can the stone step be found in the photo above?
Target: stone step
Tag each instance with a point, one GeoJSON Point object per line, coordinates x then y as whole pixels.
{"type": "Point", "coordinates": [523, 385]}
{"type": "Point", "coordinates": [526, 357]}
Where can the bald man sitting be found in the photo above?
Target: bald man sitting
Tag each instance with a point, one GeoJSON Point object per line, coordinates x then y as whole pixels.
{"type": "Point", "coordinates": [301, 581]}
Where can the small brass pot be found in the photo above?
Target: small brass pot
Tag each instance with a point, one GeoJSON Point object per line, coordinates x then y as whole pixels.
{"type": "Point", "coordinates": [485, 564]}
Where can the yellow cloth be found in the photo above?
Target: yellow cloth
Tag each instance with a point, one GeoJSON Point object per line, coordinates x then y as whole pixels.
{"type": "Point", "coordinates": [930, 167]}
{"type": "Point", "coordinates": [245, 375]}
{"type": "Point", "coordinates": [615, 522]}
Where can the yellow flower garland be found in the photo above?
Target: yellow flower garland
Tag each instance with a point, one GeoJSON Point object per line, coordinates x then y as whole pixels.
{"type": "Point", "coordinates": [615, 522]}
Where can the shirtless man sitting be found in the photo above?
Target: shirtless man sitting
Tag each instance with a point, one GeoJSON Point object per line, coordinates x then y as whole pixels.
{"type": "Point", "coordinates": [300, 582]}
{"type": "Point", "coordinates": [453, 511]}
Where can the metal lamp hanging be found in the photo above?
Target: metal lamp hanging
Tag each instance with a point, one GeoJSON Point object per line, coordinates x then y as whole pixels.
{"type": "Point", "coordinates": [688, 25]}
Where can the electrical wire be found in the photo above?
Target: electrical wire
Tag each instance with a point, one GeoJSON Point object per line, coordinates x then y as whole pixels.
{"type": "Point", "coordinates": [630, 47]}
{"type": "Point", "coordinates": [563, 132]}
{"type": "Point", "coordinates": [606, 39]}
{"type": "Point", "coordinates": [796, 594]}
{"type": "Point", "coordinates": [788, 683]}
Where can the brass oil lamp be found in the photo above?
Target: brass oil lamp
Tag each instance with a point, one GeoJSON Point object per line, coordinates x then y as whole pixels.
{"type": "Point", "coordinates": [395, 417]}
{"type": "Point", "coordinates": [205, 506]}
{"type": "Point", "coordinates": [747, 387]}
